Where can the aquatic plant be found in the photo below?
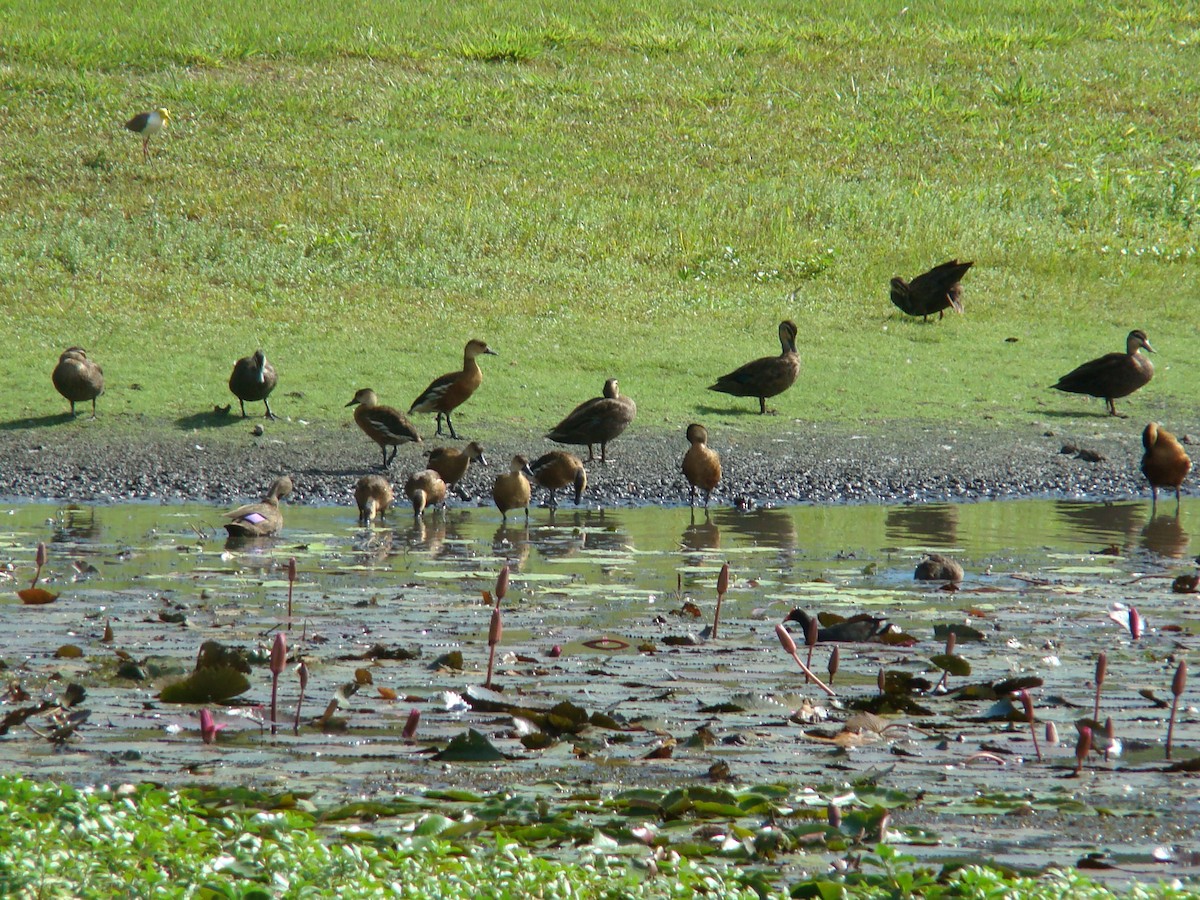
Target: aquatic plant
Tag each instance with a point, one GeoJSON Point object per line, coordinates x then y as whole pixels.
{"type": "Point", "coordinates": [789, 647]}
{"type": "Point", "coordinates": [1178, 683]}
{"type": "Point", "coordinates": [722, 587]}
{"type": "Point", "coordinates": [278, 662]}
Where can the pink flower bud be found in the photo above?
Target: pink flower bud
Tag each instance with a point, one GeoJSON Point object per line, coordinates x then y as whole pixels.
{"type": "Point", "coordinates": [723, 580]}
{"type": "Point", "coordinates": [1135, 623]}
{"type": "Point", "coordinates": [302, 672]}
{"type": "Point", "coordinates": [41, 554]}
{"type": "Point", "coordinates": [1101, 668]}
{"type": "Point", "coordinates": [785, 638]}
{"type": "Point", "coordinates": [292, 569]}
{"type": "Point", "coordinates": [502, 583]}
{"type": "Point", "coordinates": [208, 728]}
{"type": "Point", "coordinates": [810, 633]}
{"type": "Point", "coordinates": [495, 630]}
{"type": "Point", "coordinates": [410, 726]}
{"type": "Point", "coordinates": [1179, 682]}
{"type": "Point", "coordinates": [278, 654]}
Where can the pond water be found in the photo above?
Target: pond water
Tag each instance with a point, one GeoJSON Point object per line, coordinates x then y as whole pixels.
{"type": "Point", "coordinates": [608, 610]}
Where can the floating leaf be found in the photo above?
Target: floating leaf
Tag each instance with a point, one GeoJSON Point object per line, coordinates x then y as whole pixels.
{"type": "Point", "coordinates": [948, 662]}
{"type": "Point", "coordinates": [470, 747]}
{"type": "Point", "coordinates": [69, 651]}
{"type": "Point", "coordinates": [208, 685]}
{"type": "Point", "coordinates": [36, 596]}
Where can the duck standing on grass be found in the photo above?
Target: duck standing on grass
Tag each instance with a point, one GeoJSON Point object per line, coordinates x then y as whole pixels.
{"type": "Point", "coordinates": [767, 376]}
{"type": "Point", "coordinates": [450, 391]}
{"type": "Point", "coordinates": [558, 469]}
{"type": "Point", "coordinates": [253, 378]}
{"type": "Point", "coordinates": [1165, 463]}
{"type": "Point", "coordinates": [263, 518]}
{"type": "Point", "coordinates": [511, 490]}
{"type": "Point", "coordinates": [701, 466]}
{"type": "Point", "coordinates": [596, 421]}
{"type": "Point", "coordinates": [148, 124]}
{"type": "Point", "coordinates": [1112, 375]}
{"type": "Point", "coordinates": [385, 425]}
{"type": "Point", "coordinates": [78, 378]}
{"type": "Point", "coordinates": [373, 495]}
{"type": "Point", "coordinates": [934, 291]}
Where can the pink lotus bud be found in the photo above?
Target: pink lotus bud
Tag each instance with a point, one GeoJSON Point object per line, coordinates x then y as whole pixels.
{"type": "Point", "coordinates": [292, 569]}
{"type": "Point", "coordinates": [278, 654]}
{"type": "Point", "coordinates": [951, 643]}
{"type": "Point", "coordinates": [1084, 746]}
{"type": "Point", "coordinates": [833, 813]}
{"type": "Point", "coordinates": [410, 726]}
{"type": "Point", "coordinates": [810, 633]}
{"type": "Point", "coordinates": [723, 580]}
{"type": "Point", "coordinates": [208, 728]}
{"type": "Point", "coordinates": [1179, 682]}
{"type": "Point", "coordinates": [1135, 623]}
{"type": "Point", "coordinates": [41, 554]}
{"type": "Point", "coordinates": [556, 651]}
{"type": "Point", "coordinates": [834, 658]}
{"type": "Point", "coordinates": [785, 638]}
{"type": "Point", "coordinates": [502, 583]}
{"type": "Point", "coordinates": [1101, 668]}
{"type": "Point", "coordinates": [1051, 733]}
{"type": "Point", "coordinates": [1027, 702]}
{"type": "Point", "coordinates": [495, 630]}
{"type": "Point", "coordinates": [302, 672]}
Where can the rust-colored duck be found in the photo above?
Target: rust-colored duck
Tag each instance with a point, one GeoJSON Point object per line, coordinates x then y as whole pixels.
{"type": "Point", "coordinates": [452, 464]}
{"type": "Point", "coordinates": [78, 378]}
{"type": "Point", "coordinates": [596, 421]}
{"type": "Point", "coordinates": [253, 378]}
{"type": "Point", "coordinates": [374, 496]}
{"type": "Point", "coordinates": [559, 469]}
{"type": "Point", "coordinates": [511, 490]}
{"type": "Point", "coordinates": [450, 391]}
{"type": "Point", "coordinates": [1165, 463]}
{"type": "Point", "coordinates": [385, 425]}
{"type": "Point", "coordinates": [425, 488]}
{"type": "Point", "coordinates": [263, 518]}
{"type": "Point", "coordinates": [767, 376]}
{"type": "Point", "coordinates": [701, 465]}
{"type": "Point", "coordinates": [1114, 374]}
{"type": "Point", "coordinates": [932, 292]}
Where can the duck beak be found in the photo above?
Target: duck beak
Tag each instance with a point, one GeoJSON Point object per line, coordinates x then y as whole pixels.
{"type": "Point", "coordinates": [1146, 344]}
{"type": "Point", "coordinates": [482, 460]}
{"type": "Point", "coordinates": [352, 403]}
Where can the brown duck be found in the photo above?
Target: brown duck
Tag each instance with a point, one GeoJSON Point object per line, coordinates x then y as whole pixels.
{"type": "Point", "coordinates": [450, 391]}
{"type": "Point", "coordinates": [1114, 374]}
{"type": "Point", "coordinates": [78, 378]}
{"type": "Point", "coordinates": [1165, 463]}
{"type": "Point", "coordinates": [262, 518]}
{"type": "Point", "coordinates": [511, 490]}
{"type": "Point", "coordinates": [253, 379]}
{"type": "Point", "coordinates": [385, 425]}
{"type": "Point", "coordinates": [559, 469]}
{"type": "Point", "coordinates": [373, 495]}
{"type": "Point", "coordinates": [933, 292]}
{"type": "Point", "coordinates": [425, 488]}
{"type": "Point", "coordinates": [767, 376]}
{"type": "Point", "coordinates": [596, 421]}
{"type": "Point", "coordinates": [701, 466]}
{"type": "Point", "coordinates": [452, 464]}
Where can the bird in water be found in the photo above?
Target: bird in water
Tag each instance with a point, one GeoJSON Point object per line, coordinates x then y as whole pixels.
{"type": "Point", "coordinates": [701, 466]}
{"type": "Point", "coordinates": [148, 124]}
{"type": "Point", "coordinates": [425, 488]}
{"type": "Point", "coordinates": [596, 421]}
{"type": "Point", "coordinates": [934, 291]}
{"type": "Point", "coordinates": [452, 464]}
{"type": "Point", "coordinates": [374, 496]}
{"type": "Point", "coordinates": [78, 378]}
{"type": "Point", "coordinates": [767, 376]}
{"type": "Point", "coordinates": [1114, 374]}
{"type": "Point", "coordinates": [263, 518]}
{"type": "Point", "coordinates": [511, 490]}
{"type": "Point", "coordinates": [559, 469]}
{"type": "Point", "coordinates": [253, 378]}
{"type": "Point", "coordinates": [450, 391]}
{"type": "Point", "coordinates": [1165, 463]}
{"type": "Point", "coordinates": [385, 425]}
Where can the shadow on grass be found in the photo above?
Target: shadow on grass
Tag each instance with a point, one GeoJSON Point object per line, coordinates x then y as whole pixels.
{"type": "Point", "coordinates": [217, 417]}
{"type": "Point", "coordinates": [706, 410]}
{"type": "Point", "coordinates": [1079, 414]}
{"type": "Point", "coordinates": [39, 421]}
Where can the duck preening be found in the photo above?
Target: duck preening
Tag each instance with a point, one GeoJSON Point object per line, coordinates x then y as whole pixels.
{"type": "Point", "coordinates": [767, 376]}
{"type": "Point", "coordinates": [1114, 374]}
{"type": "Point", "coordinates": [148, 124]}
{"type": "Point", "coordinates": [559, 469]}
{"type": "Point", "coordinates": [1165, 463]}
{"type": "Point", "coordinates": [934, 291]}
{"type": "Point", "coordinates": [511, 490]}
{"type": "Point", "coordinates": [253, 378]}
{"type": "Point", "coordinates": [596, 421]}
{"type": "Point", "coordinates": [374, 496]}
{"type": "Point", "coordinates": [263, 518]}
{"type": "Point", "coordinates": [78, 378]}
{"type": "Point", "coordinates": [701, 465]}
{"type": "Point", "coordinates": [425, 488]}
{"type": "Point", "coordinates": [385, 425]}
{"type": "Point", "coordinates": [451, 390]}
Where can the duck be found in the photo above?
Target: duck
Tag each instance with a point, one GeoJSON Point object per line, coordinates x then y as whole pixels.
{"type": "Point", "coordinates": [558, 469]}
{"type": "Point", "coordinates": [385, 425]}
{"type": "Point", "coordinates": [1165, 463]}
{"type": "Point", "coordinates": [148, 124]}
{"type": "Point", "coordinates": [511, 490]}
{"type": "Point", "coordinates": [1114, 374]}
{"type": "Point", "coordinates": [263, 518]}
{"type": "Point", "coordinates": [701, 466]}
{"type": "Point", "coordinates": [374, 495]}
{"type": "Point", "coordinates": [767, 376]}
{"type": "Point", "coordinates": [935, 567]}
{"type": "Point", "coordinates": [78, 378]}
{"type": "Point", "coordinates": [934, 291]}
{"type": "Point", "coordinates": [253, 378]}
{"type": "Point", "coordinates": [596, 421]}
{"type": "Point", "coordinates": [450, 391]}
{"type": "Point", "coordinates": [425, 488]}
{"type": "Point", "coordinates": [452, 464]}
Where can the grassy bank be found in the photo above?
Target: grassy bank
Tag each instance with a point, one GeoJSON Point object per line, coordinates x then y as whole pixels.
{"type": "Point", "coordinates": [620, 189]}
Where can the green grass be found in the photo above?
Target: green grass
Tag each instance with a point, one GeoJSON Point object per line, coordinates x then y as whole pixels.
{"type": "Point", "coordinates": [636, 190]}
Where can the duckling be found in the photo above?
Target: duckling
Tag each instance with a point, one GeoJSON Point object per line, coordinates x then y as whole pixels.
{"type": "Point", "coordinates": [1112, 375]}
{"type": "Point", "coordinates": [701, 466]}
{"type": "Point", "coordinates": [933, 292]}
{"type": "Point", "coordinates": [78, 378]}
{"type": "Point", "coordinates": [253, 378]}
{"type": "Point", "coordinates": [148, 124]}
{"type": "Point", "coordinates": [596, 421]}
{"type": "Point", "coordinates": [1165, 463]}
{"type": "Point", "coordinates": [385, 425]}
{"type": "Point", "coordinates": [511, 490]}
{"type": "Point", "coordinates": [263, 518]}
{"type": "Point", "coordinates": [453, 389]}
{"type": "Point", "coordinates": [373, 495]}
{"type": "Point", "coordinates": [767, 376]}
{"type": "Point", "coordinates": [558, 469]}
{"type": "Point", "coordinates": [452, 464]}
{"type": "Point", "coordinates": [425, 488]}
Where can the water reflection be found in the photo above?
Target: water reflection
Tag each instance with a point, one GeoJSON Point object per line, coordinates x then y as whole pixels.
{"type": "Point", "coordinates": [512, 544]}
{"type": "Point", "coordinates": [764, 527]}
{"type": "Point", "coordinates": [927, 525]}
{"type": "Point", "coordinates": [75, 523]}
{"type": "Point", "coordinates": [700, 536]}
{"type": "Point", "coordinates": [1166, 536]}
{"type": "Point", "coordinates": [1102, 525]}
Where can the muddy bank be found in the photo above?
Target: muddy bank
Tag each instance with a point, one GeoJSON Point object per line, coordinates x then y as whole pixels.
{"type": "Point", "coordinates": [881, 462]}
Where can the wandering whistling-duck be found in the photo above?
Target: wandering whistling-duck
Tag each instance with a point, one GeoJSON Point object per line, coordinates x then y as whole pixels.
{"type": "Point", "coordinates": [385, 425]}
{"type": "Point", "coordinates": [452, 464]}
{"type": "Point", "coordinates": [1114, 374]}
{"type": "Point", "coordinates": [453, 389]}
{"type": "Point", "coordinates": [1165, 463]}
{"type": "Point", "coordinates": [767, 376]}
{"type": "Point", "coordinates": [701, 466]}
{"type": "Point", "coordinates": [558, 469]}
{"type": "Point", "coordinates": [511, 490]}
{"type": "Point", "coordinates": [373, 495]}
{"type": "Point", "coordinates": [425, 488]}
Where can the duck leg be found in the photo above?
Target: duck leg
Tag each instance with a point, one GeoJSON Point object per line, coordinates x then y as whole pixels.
{"type": "Point", "coordinates": [243, 403]}
{"type": "Point", "coordinates": [270, 415]}
{"type": "Point", "coordinates": [762, 406]}
{"type": "Point", "coordinates": [450, 425]}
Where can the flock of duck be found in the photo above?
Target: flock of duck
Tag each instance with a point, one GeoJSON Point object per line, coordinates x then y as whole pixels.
{"type": "Point", "coordinates": [600, 420]}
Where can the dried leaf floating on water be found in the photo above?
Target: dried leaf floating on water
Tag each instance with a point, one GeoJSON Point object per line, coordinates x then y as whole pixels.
{"type": "Point", "coordinates": [36, 596]}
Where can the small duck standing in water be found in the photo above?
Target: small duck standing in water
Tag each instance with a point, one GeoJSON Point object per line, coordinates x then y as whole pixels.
{"type": "Point", "coordinates": [701, 466]}
{"type": "Point", "coordinates": [1165, 463]}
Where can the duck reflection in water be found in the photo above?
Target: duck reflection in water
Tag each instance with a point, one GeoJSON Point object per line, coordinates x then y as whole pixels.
{"type": "Point", "coordinates": [764, 526]}
{"type": "Point", "coordinates": [567, 534]}
{"type": "Point", "coordinates": [703, 535]}
{"type": "Point", "coordinates": [926, 525]}
{"type": "Point", "coordinates": [76, 523]}
{"type": "Point", "coordinates": [512, 544]}
{"type": "Point", "coordinates": [427, 535]}
{"type": "Point", "coordinates": [1165, 536]}
{"type": "Point", "coordinates": [1100, 525]}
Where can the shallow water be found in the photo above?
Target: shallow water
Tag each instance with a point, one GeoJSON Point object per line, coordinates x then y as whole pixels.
{"type": "Point", "coordinates": [1041, 579]}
